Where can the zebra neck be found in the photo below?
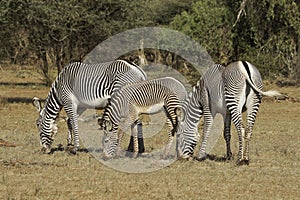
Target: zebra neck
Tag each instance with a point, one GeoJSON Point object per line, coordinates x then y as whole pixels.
{"type": "Point", "coordinates": [52, 104]}
{"type": "Point", "coordinates": [112, 113]}
{"type": "Point", "coordinates": [194, 111]}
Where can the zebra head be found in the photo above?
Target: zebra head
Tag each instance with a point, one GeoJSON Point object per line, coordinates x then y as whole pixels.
{"type": "Point", "coordinates": [110, 137]}
{"type": "Point", "coordinates": [46, 126]}
{"type": "Point", "coordinates": [187, 136]}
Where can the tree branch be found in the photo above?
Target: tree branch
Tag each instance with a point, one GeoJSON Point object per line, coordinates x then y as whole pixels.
{"type": "Point", "coordinates": [241, 10]}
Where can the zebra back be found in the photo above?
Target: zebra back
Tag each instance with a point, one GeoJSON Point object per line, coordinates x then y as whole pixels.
{"type": "Point", "coordinates": [143, 94]}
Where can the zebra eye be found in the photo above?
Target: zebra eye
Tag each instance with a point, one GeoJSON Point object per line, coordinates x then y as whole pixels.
{"type": "Point", "coordinates": [106, 140]}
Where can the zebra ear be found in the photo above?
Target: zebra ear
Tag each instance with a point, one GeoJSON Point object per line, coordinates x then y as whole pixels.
{"type": "Point", "coordinates": [180, 113]}
{"type": "Point", "coordinates": [36, 102]}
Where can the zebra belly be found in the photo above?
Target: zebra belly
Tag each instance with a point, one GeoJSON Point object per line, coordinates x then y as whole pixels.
{"type": "Point", "coordinates": [97, 103]}
{"type": "Point", "coordinates": [153, 109]}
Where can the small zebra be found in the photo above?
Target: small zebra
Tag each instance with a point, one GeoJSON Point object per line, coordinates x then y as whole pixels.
{"type": "Point", "coordinates": [229, 91]}
{"type": "Point", "coordinates": [146, 97]}
{"type": "Point", "coordinates": [80, 86]}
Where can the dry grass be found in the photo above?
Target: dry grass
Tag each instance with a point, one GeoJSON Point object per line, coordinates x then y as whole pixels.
{"type": "Point", "coordinates": [273, 172]}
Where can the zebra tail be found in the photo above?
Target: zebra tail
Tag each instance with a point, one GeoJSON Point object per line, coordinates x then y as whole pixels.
{"type": "Point", "coordinates": [270, 93]}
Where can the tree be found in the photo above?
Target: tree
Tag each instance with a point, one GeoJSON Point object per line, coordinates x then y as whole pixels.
{"type": "Point", "coordinates": [209, 22]}
{"type": "Point", "coordinates": [52, 33]}
{"type": "Point", "coordinates": [57, 32]}
{"type": "Point", "coordinates": [13, 36]}
{"type": "Point", "coordinates": [61, 30]}
{"type": "Point", "coordinates": [263, 32]}
{"type": "Point", "coordinates": [268, 35]}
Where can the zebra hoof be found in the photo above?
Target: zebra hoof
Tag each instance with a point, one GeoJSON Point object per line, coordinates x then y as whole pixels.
{"type": "Point", "coordinates": [46, 150]}
{"type": "Point", "coordinates": [200, 159]}
{"type": "Point", "coordinates": [229, 157]}
{"type": "Point", "coordinates": [130, 154]}
{"type": "Point", "coordinates": [71, 150]}
{"type": "Point", "coordinates": [243, 162]}
{"type": "Point", "coordinates": [134, 155]}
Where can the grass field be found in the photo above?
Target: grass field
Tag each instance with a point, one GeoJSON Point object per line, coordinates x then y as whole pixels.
{"type": "Point", "coordinates": [25, 173]}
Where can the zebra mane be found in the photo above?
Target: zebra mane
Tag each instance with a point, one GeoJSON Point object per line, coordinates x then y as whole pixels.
{"type": "Point", "coordinates": [135, 66]}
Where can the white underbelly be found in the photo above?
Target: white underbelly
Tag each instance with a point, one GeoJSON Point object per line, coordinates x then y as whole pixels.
{"type": "Point", "coordinates": [96, 103]}
{"type": "Point", "coordinates": [153, 109]}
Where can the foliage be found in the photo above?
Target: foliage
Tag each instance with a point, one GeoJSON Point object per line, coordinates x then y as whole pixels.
{"type": "Point", "coordinates": [209, 22]}
{"type": "Point", "coordinates": [266, 33]}
{"type": "Point", "coordinates": [274, 36]}
{"type": "Point", "coordinates": [53, 33]}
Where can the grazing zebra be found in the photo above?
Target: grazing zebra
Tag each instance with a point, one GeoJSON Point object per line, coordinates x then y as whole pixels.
{"type": "Point", "coordinates": [146, 97]}
{"type": "Point", "coordinates": [80, 86]}
{"type": "Point", "coordinates": [229, 91]}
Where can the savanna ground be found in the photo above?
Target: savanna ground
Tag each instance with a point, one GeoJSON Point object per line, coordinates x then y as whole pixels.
{"type": "Point", "coordinates": [25, 173]}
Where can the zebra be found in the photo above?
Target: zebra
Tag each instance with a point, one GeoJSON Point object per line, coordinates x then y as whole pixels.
{"type": "Point", "coordinates": [80, 86]}
{"type": "Point", "coordinates": [146, 97]}
{"type": "Point", "coordinates": [229, 91]}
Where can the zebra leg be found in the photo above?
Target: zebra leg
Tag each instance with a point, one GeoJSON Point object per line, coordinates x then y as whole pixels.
{"type": "Point", "coordinates": [170, 139]}
{"type": "Point", "coordinates": [227, 135]}
{"type": "Point", "coordinates": [253, 103]}
{"type": "Point", "coordinates": [130, 147]}
{"type": "Point", "coordinates": [70, 136]}
{"type": "Point", "coordinates": [135, 140]}
{"type": "Point", "coordinates": [72, 115]}
{"type": "Point", "coordinates": [241, 134]}
{"type": "Point", "coordinates": [172, 123]}
{"type": "Point", "coordinates": [208, 119]}
{"type": "Point", "coordinates": [238, 122]}
{"type": "Point", "coordinates": [119, 146]}
{"type": "Point", "coordinates": [140, 136]}
{"type": "Point", "coordinates": [70, 130]}
{"type": "Point", "coordinates": [235, 95]}
{"type": "Point", "coordinates": [247, 141]}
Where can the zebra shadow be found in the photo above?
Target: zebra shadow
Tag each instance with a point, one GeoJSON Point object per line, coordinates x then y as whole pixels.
{"type": "Point", "coordinates": [213, 157]}
{"type": "Point", "coordinates": [69, 149]}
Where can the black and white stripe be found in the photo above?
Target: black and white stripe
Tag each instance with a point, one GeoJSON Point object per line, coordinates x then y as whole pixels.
{"type": "Point", "coordinates": [229, 91]}
{"type": "Point", "coordinates": [80, 86]}
{"type": "Point", "coordinates": [146, 97]}
{"type": "Point", "coordinates": [208, 87]}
